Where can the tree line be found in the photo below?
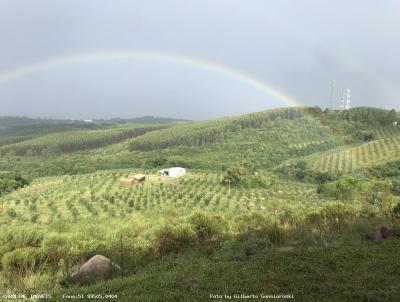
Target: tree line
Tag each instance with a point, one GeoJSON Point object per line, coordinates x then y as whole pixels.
{"type": "Point", "coordinates": [74, 141]}
{"type": "Point", "coordinates": [202, 133]}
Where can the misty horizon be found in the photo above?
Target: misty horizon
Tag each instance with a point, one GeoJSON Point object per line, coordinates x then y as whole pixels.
{"type": "Point", "coordinates": [66, 118]}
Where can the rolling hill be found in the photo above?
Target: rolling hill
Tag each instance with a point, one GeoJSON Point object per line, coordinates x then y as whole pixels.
{"type": "Point", "coordinates": [237, 209]}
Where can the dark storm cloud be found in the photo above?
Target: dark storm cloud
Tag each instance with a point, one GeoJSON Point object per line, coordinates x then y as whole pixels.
{"type": "Point", "coordinates": [296, 46]}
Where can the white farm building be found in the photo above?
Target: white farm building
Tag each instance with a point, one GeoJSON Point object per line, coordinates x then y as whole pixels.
{"type": "Point", "coordinates": [173, 172]}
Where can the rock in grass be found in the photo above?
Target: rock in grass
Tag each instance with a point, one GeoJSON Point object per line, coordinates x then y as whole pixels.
{"type": "Point", "coordinates": [95, 269]}
{"type": "Point", "coordinates": [389, 233]}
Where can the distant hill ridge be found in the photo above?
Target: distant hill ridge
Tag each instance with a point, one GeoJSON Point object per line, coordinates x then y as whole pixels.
{"type": "Point", "coordinates": [264, 140]}
{"type": "Point", "coordinates": [12, 121]}
{"type": "Point", "coordinates": [205, 132]}
{"type": "Point", "coordinates": [26, 126]}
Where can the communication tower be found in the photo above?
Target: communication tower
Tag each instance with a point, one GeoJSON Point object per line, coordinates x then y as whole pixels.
{"type": "Point", "coordinates": [341, 104]}
{"type": "Point", "coordinates": [345, 100]}
{"type": "Point", "coordinates": [348, 99]}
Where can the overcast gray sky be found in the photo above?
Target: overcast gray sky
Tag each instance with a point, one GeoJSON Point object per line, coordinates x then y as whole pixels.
{"type": "Point", "coordinates": [228, 47]}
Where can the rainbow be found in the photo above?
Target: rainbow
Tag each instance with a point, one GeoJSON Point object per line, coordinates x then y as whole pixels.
{"type": "Point", "coordinates": [220, 69]}
{"type": "Point", "coordinates": [223, 70]}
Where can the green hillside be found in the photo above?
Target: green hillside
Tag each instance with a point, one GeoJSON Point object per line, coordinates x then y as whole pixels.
{"type": "Point", "coordinates": [387, 132]}
{"type": "Point", "coordinates": [100, 195]}
{"type": "Point", "coordinates": [275, 202]}
{"type": "Point", "coordinates": [354, 158]}
{"type": "Point", "coordinates": [68, 142]}
{"type": "Point", "coordinates": [267, 139]}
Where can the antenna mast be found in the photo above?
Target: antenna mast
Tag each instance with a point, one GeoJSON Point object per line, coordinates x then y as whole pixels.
{"type": "Point", "coordinates": [348, 99]}
{"type": "Point", "coordinates": [341, 105]}
{"type": "Point", "coordinates": [345, 100]}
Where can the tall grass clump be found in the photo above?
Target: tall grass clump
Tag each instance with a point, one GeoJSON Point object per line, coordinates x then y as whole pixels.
{"type": "Point", "coordinates": [173, 238]}
{"type": "Point", "coordinates": [208, 227]}
{"type": "Point", "coordinates": [19, 237]}
{"type": "Point", "coordinates": [23, 260]}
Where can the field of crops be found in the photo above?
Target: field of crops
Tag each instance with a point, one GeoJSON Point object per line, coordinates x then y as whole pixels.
{"type": "Point", "coordinates": [387, 132]}
{"type": "Point", "coordinates": [9, 140]}
{"type": "Point", "coordinates": [74, 141]}
{"type": "Point", "coordinates": [101, 195]}
{"type": "Point", "coordinates": [353, 158]}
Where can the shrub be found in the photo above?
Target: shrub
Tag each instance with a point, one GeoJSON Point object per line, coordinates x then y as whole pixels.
{"type": "Point", "coordinates": [71, 249]}
{"type": "Point", "coordinates": [23, 260]}
{"type": "Point", "coordinates": [365, 136]}
{"type": "Point", "coordinates": [19, 237]}
{"type": "Point", "coordinates": [344, 188]}
{"type": "Point", "coordinates": [207, 226]}
{"type": "Point", "coordinates": [369, 211]}
{"type": "Point", "coordinates": [396, 211]}
{"type": "Point", "coordinates": [379, 193]}
{"type": "Point", "coordinates": [235, 175]}
{"type": "Point", "coordinates": [10, 182]}
{"type": "Point", "coordinates": [56, 246]}
{"type": "Point", "coordinates": [251, 224]}
{"type": "Point", "coordinates": [315, 218]}
{"type": "Point", "coordinates": [11, 213]}
{"type": "Point", "coordinates": [174, 238]}
{"type": "Point", "coordinates": [337, 214]}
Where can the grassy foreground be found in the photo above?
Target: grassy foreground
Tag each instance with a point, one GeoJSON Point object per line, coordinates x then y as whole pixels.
{"type": "Point", "coordinates": [357, 271]}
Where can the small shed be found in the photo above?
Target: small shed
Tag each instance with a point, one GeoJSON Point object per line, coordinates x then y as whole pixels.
{"type": "Point", "coordinates": [173, 172]}
{"type": "Point", "coordinates": [127, 182]}
{"type": "Point", "coordinates": [133, 180]}
{"type": "Point", "coordinates": [396, 124]}
{"type": "Point", "coordinates": [139, 177]}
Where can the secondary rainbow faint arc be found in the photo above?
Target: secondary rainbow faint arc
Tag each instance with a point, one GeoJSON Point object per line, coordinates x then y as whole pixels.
{"type": "Point", "coordinates": [150, 55]}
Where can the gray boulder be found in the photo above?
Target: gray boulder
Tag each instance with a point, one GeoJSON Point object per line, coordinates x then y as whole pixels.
{"type": "Point", "coordinates": [95, 269]}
